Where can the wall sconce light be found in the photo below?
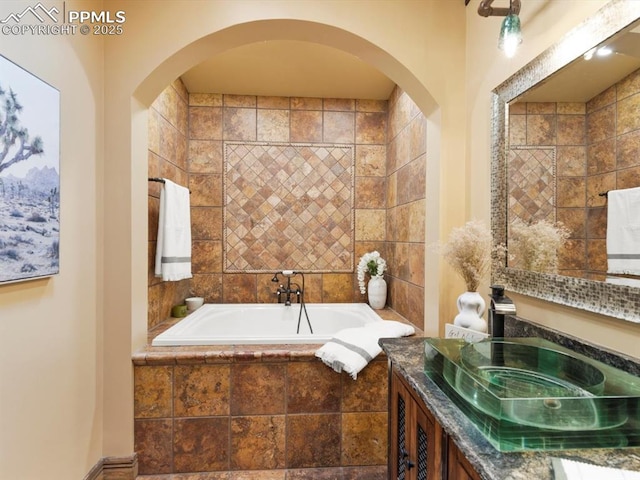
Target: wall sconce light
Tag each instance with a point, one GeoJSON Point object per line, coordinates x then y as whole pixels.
{"type": "Point", "coordinates": [510, 31]}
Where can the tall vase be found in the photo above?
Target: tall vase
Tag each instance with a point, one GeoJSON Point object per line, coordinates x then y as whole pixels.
{"type": "Point", "coordinates": [471, 306]}
{"type": "Point", "coordinates": [377, 288]}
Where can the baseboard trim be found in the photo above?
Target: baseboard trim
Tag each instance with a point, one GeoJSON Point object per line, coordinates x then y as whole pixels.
{"type": "Point", "coordinates": [96, 472]}
{"type": "Point", "coordinates": [114, 468]}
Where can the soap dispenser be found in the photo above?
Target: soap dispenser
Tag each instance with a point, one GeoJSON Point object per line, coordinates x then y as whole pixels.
{"type": "Point", "coordinates": [500, 306]}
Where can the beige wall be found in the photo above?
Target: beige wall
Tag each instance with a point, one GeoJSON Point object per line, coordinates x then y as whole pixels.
{"type": "Point", "coordinates": [51, 355]}
{"type": "Point", "coordinates": [543, 24]}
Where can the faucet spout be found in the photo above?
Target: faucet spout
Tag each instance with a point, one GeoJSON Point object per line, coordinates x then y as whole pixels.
{"type": "Point", "coordinates": [500, 306]}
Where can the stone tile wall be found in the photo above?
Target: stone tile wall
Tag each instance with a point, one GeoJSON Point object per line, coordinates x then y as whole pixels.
{"type": "Point", "coordinates": [547, 168]}
{"type": "Point", "coordinates": [405, 204]}
{"type": "Point", "coordinates": [288, 206]}
{"type": "Point", "coordinates": [167, 158]}
{"type": "Point", "coordinates": [186, 144]}
{"type": "Point", "coordinates": [233, 409]}
{"type": "Point", "coordinates": [613, 158]}
{"type": "Point", "coordinates": [215, 119]}
{"type": "Point", "coordinates": [597, 148]}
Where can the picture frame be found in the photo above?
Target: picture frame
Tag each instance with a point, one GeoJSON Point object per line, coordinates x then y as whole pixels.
{"type": "Point", "coordinates": [29, 175]}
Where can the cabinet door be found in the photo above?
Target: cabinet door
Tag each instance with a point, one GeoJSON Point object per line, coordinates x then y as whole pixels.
{"type": "Point", "coordinates": [428, 451]}
{"type": "Point", "coordinates": [400, 406]}
{"type": "Point", "coordinates": [415, 442]}
{"type": "Point", "coordinates": [458, 467]}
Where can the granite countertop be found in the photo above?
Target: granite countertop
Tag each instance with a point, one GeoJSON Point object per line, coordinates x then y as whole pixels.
{"type": "Point", "coordinates": [407, 357]}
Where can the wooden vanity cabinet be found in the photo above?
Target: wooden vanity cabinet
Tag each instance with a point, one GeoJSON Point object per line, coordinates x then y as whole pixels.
{"type": "Point", "coordinates": [458, 467]}
{"type": "Point", "coordinates": [419, 448]}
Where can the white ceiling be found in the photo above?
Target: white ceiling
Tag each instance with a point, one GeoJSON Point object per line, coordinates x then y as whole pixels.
{"type": "Point", "coordinates": [289, 69]}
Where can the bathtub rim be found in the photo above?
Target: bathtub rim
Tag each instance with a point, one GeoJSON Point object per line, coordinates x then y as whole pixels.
{"type": "Point", "coordinates": [298, 339]}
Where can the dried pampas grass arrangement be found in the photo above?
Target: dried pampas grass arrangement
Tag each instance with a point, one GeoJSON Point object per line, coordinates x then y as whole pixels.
{"type": "Point", "coordinates": [535, 247]}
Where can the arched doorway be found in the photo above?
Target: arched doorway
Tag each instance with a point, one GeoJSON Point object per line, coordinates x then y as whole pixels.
{"type": "Point", "coordinates": [124, 179]}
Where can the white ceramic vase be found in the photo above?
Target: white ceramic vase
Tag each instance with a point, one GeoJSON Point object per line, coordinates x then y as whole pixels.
{"type": "Point", "coordinates": [377, 288]}
{"type": "Point", "coordinates": [471, 306]}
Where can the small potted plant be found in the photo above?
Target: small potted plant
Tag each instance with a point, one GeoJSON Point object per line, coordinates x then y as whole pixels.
{"type": "Point", "coordinates": [373, 264]}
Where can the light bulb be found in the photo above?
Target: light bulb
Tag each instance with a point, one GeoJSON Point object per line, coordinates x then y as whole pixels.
{"type": "Point", "coordinates": [510, 35]}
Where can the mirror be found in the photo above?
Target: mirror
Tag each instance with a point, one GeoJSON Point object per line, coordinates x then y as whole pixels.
{"type": "Point", "coordinates": [541, 113]}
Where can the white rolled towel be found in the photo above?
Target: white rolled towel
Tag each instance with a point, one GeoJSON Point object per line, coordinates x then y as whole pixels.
{"type": "Point", "coordinates": [351, 349]}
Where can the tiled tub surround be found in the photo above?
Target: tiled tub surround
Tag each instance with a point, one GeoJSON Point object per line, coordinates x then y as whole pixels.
{"type": "Point", "coordinates": [167, 158]}
{"type": "Point", "coordinates": [388, 139]}
{"type": "Point", "coordinates": [216, 121]}
{"type": "Point", "coordinates": [597, 148]}
{"type": "Point", "coordinates": [272, 410]}
{"type": "Point", "coordinates": [407, 355]}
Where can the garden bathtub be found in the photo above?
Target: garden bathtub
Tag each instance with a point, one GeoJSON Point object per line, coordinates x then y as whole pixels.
{"type": "Point", "coordinates": [240, 324]}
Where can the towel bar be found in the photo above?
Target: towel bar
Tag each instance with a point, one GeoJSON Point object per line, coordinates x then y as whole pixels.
{"type": "Point", "coordinates": [159, 180]}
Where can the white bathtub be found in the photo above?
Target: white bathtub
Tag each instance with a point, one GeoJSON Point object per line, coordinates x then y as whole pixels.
{"type": "Point", "coordinates": [238, 324]}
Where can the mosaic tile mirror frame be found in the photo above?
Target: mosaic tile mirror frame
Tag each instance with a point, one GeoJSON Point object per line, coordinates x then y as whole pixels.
{"type": "Point", "coordinates": [619, 301]}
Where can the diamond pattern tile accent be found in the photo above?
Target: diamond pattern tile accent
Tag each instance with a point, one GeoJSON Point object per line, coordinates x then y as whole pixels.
{"type": "Point", "coordinates": [532, 184]}
{"type": "Point", "coordinates": [288, 206]}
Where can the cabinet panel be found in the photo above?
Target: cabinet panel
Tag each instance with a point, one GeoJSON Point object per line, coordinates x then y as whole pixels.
{"type": "Point", "coordinates": [416, 438]}
{"type": "Point", "coordinates": [400, 402]}
{"type": "Point", "coordinates": [458, 467]}
{"type": "Point", "coordinates": [428, 437]}
{"type": "Point", "coordinates": [419, 448]}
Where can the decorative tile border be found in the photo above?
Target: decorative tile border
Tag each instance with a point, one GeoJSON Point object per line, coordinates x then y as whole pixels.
{"type": "Point", "coordinates": [288, 205]}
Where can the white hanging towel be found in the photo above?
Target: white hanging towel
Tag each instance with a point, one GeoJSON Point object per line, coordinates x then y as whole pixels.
{"type": "Point", "coordinates": [173, 249]}
{"type": "Point", "coordinates": [623, 231]}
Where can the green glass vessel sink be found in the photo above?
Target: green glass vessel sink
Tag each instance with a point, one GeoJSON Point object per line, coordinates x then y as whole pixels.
{"type": "Point", "coordinates": [531, 394]}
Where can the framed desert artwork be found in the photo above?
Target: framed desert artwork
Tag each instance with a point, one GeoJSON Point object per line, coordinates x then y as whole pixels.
{"type": "Point", "coordinates": [29, 175]}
